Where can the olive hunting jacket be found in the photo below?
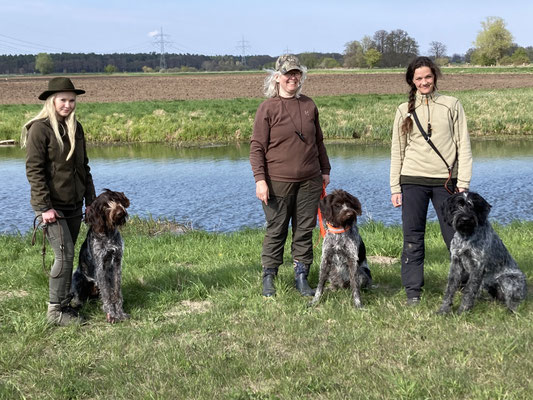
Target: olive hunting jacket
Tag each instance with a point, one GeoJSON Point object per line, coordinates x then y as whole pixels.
{"type": "Point", "coordinates": [56, 182]}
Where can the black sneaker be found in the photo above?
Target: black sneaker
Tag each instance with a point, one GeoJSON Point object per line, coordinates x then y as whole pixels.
{"type": "Point", "coordinates": [413, 301]}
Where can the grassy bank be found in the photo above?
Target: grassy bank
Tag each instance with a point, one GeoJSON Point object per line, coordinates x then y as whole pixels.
{"type": "Point", "coordinates": [490, 113]}
{"type": "Point", "coordinates": [200, 329]}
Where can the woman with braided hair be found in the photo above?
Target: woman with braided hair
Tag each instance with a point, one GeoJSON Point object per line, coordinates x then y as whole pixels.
{"type": "Point", "coordinates": [430, 159]}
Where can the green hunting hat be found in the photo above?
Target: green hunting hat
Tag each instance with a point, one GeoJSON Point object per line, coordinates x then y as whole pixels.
{"type": "Point", "coordinates": [288, 62]}
{"type": "Point", "coordinates": [56, 85]}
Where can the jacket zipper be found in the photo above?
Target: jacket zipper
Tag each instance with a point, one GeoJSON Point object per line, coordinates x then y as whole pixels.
{"type": "Point", "coordinates": [429, 118]}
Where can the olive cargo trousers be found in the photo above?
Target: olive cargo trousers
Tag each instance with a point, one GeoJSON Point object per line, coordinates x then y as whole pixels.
{"type": "Point", "coordinates": [297, 203]}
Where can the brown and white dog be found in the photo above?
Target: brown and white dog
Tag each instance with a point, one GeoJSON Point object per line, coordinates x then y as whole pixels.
{"type": "Point", "coordinates": [343, 251]}
{"type": "Point", "coordinates": [99, 272]}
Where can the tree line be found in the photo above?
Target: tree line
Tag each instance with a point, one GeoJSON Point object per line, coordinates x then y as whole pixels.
{"type": "Point", "coordinates": [493, 46]}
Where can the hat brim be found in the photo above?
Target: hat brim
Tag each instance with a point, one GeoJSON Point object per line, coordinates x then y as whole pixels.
{"type": "Point", "coordinates": [47, 93]}
{"type": "Point", "coordinates": [291, 68]}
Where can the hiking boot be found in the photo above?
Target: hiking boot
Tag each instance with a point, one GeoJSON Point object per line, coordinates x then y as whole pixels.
{"type": "Point", "coordinates": [268, 286]}
{"type": "Point", "coordinates": [62, 316]}
{"type": "Point", "coordinates": [301, 271]}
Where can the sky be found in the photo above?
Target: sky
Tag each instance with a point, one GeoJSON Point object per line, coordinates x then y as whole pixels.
{"type": "Point", "coordinates": [248, 27]}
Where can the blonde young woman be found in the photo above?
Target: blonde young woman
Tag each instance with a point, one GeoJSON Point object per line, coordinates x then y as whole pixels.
{"type": "Point", "coordinates": [58, 172]}
{"type": "Point", "coordinates": [290, 164]}
{"type": "Point", "coordinates": [419, 174]}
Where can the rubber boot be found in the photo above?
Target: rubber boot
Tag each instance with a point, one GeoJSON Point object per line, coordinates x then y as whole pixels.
{"type": "Point", "coordinates": [62, 315]}
{"type": "Point", "coordinates": [301, 271]}
{"type": "Point", "coordinates": [268, 283]}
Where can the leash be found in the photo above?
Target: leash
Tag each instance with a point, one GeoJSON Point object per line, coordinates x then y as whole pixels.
{"type": "Point", "coordinates": [428, 140]}
{"type": "Point", "coordinates": [43, 249]}
{"type": "Point", "coordinates": [320, 219]}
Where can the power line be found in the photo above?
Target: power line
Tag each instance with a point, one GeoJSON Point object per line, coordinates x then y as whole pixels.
{"type": "Point", "coordinates": [161, 42]}
{"type": "Point", "coordinates": [17, 44]}
{"type": "Point", "coordinates": [243, 45]}
{"type": "Point", "coordinates": [137, 47]}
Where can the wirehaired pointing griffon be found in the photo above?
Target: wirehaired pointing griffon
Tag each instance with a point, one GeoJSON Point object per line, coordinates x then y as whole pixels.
{"type": "Point", "coordinates": [99, 272]}
{"type": "Point", "coordinates": [478, 256]}
{"type": "Point", "coordinates": [343, 251]}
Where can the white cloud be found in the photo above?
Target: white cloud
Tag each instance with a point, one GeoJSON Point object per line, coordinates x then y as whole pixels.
{"type": "Point", "coordinates": [152, 34]}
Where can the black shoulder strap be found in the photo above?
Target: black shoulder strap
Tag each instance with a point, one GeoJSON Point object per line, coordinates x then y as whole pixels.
{"type": "Point", "coordinates": [428, 139]}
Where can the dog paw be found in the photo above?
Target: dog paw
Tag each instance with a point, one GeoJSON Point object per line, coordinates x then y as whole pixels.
{"type": "Point", "coordinates": [358, 305]}
{"type": "Point", "coordinates": [116, 316]}
{"type": "Point", "coordinates": [463, 309]}
{"type": "Point", "coordinates": [111, 319]}
{"type": "Point", "coordinates": [443, 311]}
{"type": "Point", "coordinates": [312, 303]}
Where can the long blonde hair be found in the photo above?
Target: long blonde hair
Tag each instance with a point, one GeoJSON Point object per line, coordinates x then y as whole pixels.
{"type": "Point", "coordinates": [49, 112]}
{"type": "Point", "coordinates": [271, 86]}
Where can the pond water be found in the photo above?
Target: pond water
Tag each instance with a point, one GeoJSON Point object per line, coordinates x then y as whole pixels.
{"type": "Point", "coordinates": [213, 189]}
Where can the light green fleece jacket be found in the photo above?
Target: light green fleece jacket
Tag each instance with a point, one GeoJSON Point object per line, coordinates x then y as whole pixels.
{"type": "Point", "coordinates": [412, 156]}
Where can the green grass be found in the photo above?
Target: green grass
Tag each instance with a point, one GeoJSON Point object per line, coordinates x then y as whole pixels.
{"type": "Point", "coordinates": [452, 69]}
{"type": "Point", "coordinates": [201, 330]}
{"type": "Point", "coordinates": [369, 118]}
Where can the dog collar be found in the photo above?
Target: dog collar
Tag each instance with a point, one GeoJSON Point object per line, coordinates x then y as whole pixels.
{"type": "Point", "coordinates": [332, 229]}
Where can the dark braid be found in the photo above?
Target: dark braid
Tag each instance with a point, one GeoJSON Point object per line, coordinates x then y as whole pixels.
{"type": "Point", "coordinates": [418, 62]}
{"type": "Point", "coordinates": [407, 125]}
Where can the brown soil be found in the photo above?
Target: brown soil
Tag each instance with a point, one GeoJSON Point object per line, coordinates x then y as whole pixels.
{"type": "Point", "coordinates": [24, 90]}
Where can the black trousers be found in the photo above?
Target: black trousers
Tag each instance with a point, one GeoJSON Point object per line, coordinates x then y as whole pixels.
{"type": "Point", "coordinates": [415, 202]}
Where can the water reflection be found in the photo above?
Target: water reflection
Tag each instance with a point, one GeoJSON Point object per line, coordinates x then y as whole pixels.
{"type": "Point", "coordinates": [213, 188]}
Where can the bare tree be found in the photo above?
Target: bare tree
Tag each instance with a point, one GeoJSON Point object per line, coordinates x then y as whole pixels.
{"type": "Point", "coordinates": [437, 49]}
{"type": "Point", "coordinates": [353, 55]}
{"type": "Point", "coordinates": [367, 43]}
{"type": "Point", "coordinates": [379, 39]}
{"type": "Point", "coordinates": [397, 47]}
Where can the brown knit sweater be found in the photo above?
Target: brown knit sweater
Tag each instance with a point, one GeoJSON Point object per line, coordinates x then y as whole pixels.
{"type": "Point", "coordinates": [277, 152]}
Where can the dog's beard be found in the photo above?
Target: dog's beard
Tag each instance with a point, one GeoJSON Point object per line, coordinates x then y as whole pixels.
{"type": "Point", "coordinates": [465, 225]}
{"type": "Point", "coordinates": [346, 217]}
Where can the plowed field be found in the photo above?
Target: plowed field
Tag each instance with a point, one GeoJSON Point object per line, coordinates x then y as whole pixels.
{"type": "Point", "coordinates": [24, 90]}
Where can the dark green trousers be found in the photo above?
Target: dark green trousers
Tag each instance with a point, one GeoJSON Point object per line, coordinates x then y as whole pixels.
{"type": "Point", "coordinates": [62, 236]}
{"type": "Point", "coordinates": [295, 203]}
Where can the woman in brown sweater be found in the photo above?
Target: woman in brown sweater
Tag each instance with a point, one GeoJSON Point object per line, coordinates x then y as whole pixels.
{"type": "Point", "coordinates": [290, 166]}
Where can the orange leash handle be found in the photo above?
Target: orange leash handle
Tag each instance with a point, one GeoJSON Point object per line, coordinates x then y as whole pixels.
{"type": "Point", "coordinates": [320, 220]}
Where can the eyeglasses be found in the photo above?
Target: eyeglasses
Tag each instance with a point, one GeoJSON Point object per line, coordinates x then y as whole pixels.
{"type": "Point", "coordinates": [294, 72]}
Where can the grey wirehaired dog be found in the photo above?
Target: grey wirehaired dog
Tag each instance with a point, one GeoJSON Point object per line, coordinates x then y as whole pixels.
{"type": "Point", "coordinates": [478, 256]}
{"type": "Point", "coordinates": [99, 273]}
{"type": "Point", "coordinates": [343, 251]}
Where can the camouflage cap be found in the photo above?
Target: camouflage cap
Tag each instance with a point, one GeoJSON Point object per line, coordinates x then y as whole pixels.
{"type": "Point", "coordinates": [288, 62]}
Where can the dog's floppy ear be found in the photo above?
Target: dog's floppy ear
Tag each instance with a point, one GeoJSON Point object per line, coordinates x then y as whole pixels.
{"type": "Point", "coordinates": [448, 208]}
{"type": "Point", "coordinates": [124, 200]}
{"type": "Point", "coordinates": [354, 203]}
{"type": "Point", "coordinates": [481, 206]}
{"type": "Point", "coordinates": [95, 215]}
{"type": "Point", "coordinates": [325, 207]}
